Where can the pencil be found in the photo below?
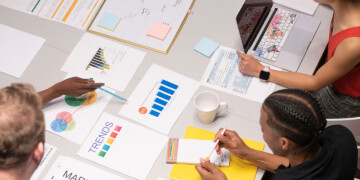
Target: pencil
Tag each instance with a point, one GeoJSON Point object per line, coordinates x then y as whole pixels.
{"type": "Point", "coordinates": [216, 143]}
{"type": "Point", "coordinates": [117, 96]}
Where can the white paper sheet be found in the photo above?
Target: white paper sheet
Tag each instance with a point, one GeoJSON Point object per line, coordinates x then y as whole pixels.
{"type": "Point", "coordinates": [73, 118]}
{"type": "Point", "coordinates": [66, 168]}
{"type": "Point", "coordinates": [306, 6]}
{"type": "Point", "coordinates": [223, 74]}
{"type": "Point", "coordinates": [77, 13]}
{"type": "Point", "coordinates": [137, 16]}
{"type": "Point", "coordinates": [121, 60]}
{"type": "Point", "coordinates": [123, 146]}
{"type": "Point", "coordinates": [48, 154]}
{"type": "Point", "coordinates": [159, 99]}
{"type": "Point", "coordinates": [191, 150]}
{"type": "Point", "coordinates": [26, 6]}
{"type": "Point", "coordinates": [18, 49]}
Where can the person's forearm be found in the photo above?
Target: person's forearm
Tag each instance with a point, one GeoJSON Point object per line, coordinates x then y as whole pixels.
{"type": "Point", "coordinates": [267, 161]}
{"type": "Point", "coordinates": [295, 80]}
{"type": "Point", "coordinates": [49, 94]}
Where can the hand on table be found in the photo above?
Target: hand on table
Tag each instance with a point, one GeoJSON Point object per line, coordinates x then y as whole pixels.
{"type": "Point", "coordinates": [232, 142]}
{"type": "Point", "coordinates": [72, 86]}
{"type": "Point", "coordinates": [249, 65]}
{"type": "Point", "coordinates": [76, 86]}
{"type": "Point", "coordinates": [208, 171]}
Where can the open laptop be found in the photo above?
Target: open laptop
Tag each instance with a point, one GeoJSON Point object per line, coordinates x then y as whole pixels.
{"type": "Point", "coordinates": [274, 34]}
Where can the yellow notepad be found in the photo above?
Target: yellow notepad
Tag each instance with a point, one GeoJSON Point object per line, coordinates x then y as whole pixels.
{"type": "Point", "coordinates": [238, 169]}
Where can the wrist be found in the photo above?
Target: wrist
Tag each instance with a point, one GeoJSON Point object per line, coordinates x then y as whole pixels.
{"type": "Point", "coordinates": [56, 91]}
{"type": "Point", "coordinates": [265, 73]}
{"type": "Point", "coordinates": [244, 154]}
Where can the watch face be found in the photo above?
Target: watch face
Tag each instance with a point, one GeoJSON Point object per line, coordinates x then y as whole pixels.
{"type": "Point", "coordinates": [264, 75]}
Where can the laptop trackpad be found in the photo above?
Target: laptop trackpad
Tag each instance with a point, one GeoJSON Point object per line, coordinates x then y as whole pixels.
{"type": "Point", "coordinates": [297, 42]}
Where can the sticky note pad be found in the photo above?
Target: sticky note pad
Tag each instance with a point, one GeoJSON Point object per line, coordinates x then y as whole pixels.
{"type": "Point", "coordinates": [206, 47]}
{"type": "Point", "coordinates": [109, 21]}
{"type": "Point", "coordinates": [238, 169]}
{"type": "Point", "coordinates": [158, 30]}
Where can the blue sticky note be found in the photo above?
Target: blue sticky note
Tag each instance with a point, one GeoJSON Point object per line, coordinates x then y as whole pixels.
{"type": "Point", "coordinates": [109, 21]}
{"type": "Point", "coordinates": [206, 47]}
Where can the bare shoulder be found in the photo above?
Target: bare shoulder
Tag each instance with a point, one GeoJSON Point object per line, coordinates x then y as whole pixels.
{"type": "Point", "coordinates": [348, 51]}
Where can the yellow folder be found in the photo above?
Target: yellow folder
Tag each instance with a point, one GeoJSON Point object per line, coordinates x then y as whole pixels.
{"type": "Point", "coordinates": [238, 169]}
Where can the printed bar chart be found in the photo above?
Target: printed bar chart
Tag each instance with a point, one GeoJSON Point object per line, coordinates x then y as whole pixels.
{"type": "Point", "coordinates": [98, 61]}
{"type": "Point", "coordinates": [163, 96]}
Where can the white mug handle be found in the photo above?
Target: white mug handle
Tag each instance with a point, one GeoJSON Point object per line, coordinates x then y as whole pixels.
{"type": "Point", "coordinates": [222, 108]}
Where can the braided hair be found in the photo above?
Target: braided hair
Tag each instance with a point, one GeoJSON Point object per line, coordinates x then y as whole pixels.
{"type": "Point", "coordinates": [296, 115]}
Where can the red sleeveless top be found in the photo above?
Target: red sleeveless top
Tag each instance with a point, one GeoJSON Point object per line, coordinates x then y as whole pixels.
{"type": "Point", "coordinates": [349, 84]}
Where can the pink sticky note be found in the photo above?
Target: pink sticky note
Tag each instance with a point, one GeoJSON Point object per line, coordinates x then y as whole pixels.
{"type": "Point", "coordinates": [158, 30]}
{"type": "Point", "coordinates": [117, 128]}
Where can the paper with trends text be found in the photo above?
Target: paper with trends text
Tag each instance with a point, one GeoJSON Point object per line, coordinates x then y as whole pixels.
{"type": "Point", "coordinates": [66, 168]}
{"type": "Point", "coordinates": [103, 60]}
{"type": "Point", "coordinates": [18, 49]}
{"type": "Point", "coordinates": [123, 146]}
{"type": "Point", "coordinates": [73, 117]}
{"type": "Point", "coordinates": [159, 99]}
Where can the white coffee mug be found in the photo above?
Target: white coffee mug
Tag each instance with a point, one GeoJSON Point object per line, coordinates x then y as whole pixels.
{"type": "Point", "coordinates": [208, 106]}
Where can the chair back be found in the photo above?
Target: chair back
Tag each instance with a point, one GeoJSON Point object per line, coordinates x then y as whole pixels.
{"type": "Point", "coordinates": [353, 124]}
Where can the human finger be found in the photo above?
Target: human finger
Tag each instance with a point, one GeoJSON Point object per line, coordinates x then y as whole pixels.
{"type": "Point", "coordinates": [94, 85]}
{"type": "Point", "coordinates": [217, 134]}
{"type": "Point", "coordinates": [202, 171]}
{"type": "Point", "coordinates": [207, 165]}
{"type": "Point", "coordinates": [240, 55]}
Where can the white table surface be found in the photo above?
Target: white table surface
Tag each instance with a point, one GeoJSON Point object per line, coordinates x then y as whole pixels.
{"type": "Point", "coordinates": [214, 19]}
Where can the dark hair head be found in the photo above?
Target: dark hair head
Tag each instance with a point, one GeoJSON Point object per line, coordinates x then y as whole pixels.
{"type": "Point", "coordinates": [296, 115]}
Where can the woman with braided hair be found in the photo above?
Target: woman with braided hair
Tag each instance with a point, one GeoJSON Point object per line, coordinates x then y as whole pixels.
{"type": "Point", "coordinates": [293, 127]}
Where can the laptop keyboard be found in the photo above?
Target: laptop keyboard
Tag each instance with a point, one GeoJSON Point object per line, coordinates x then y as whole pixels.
{"type": "Point", "coordinates": [273, 39]}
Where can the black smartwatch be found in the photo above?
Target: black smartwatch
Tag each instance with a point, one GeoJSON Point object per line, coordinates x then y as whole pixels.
{"type": "Point", "coordinates": [265, 74]}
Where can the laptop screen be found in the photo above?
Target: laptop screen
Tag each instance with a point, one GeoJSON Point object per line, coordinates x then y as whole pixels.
{"type": "Point", "coordinates": [250, 19]}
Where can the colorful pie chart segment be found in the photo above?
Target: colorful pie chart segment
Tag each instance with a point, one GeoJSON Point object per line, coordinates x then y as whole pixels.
{"type": "Point", "coordinates": [85, 99]}
{"type": "Point", "coordinates": [63, 122]}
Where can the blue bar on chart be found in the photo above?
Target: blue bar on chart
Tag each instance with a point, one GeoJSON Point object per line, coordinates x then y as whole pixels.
{"type": "Point", "coordinates": [163, 96]}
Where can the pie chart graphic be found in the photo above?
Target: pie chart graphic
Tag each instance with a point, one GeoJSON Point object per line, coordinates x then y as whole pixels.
{"type": "Point", "coordinates": [85, 99]}
{"type": "Point", "coordinates": [63, 122]}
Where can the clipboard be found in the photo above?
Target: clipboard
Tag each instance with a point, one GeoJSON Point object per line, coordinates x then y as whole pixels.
{"type": "Point", "coordinates": [139, 44]}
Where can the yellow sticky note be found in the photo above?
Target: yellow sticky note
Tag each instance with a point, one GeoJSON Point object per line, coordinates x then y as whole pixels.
{"type": "Point", "coordinates": [238, 169]}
